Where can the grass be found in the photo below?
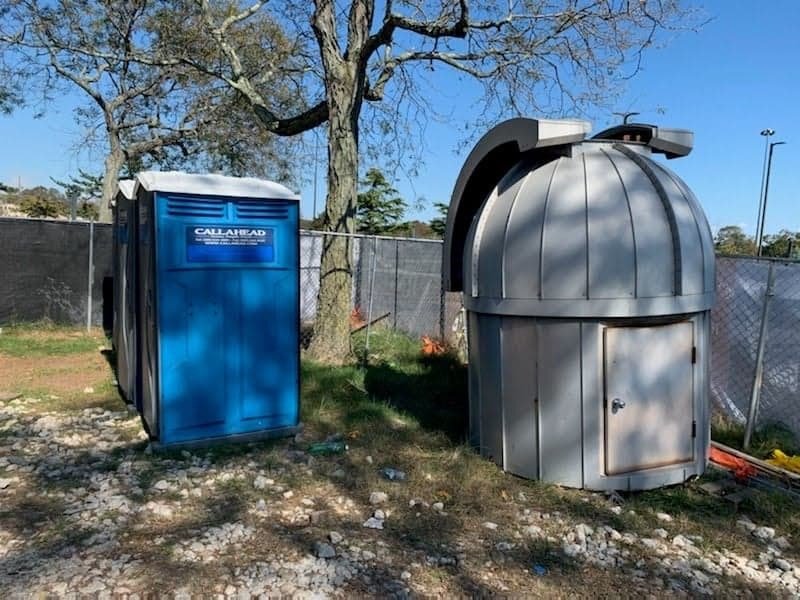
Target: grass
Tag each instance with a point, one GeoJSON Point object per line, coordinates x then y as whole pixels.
{"type": "Point", "coordinates": [764, 440]}
{"type": "Point", "coordinates": [35, 340]}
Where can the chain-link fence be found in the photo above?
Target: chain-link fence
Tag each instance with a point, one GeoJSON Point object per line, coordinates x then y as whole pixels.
{"type": "Point", "coordinates": [55, 270]}
{"type": "Point", "coordinates": [45, 272]}
{"type": "Point", "coordinates": [755, 358]}
{"type": "Point", "coordinates": [396, 283]}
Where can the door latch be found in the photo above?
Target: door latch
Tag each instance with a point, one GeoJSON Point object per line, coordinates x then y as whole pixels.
{"type": "Point", "coordinates": [617, 404]}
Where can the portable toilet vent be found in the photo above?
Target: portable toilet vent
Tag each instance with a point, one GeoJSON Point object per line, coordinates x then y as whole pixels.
{"type": "Point", "coordinates": [587, 271]}
{"type": "Point", "coordinates": [124, 251]}
{"type": "Point", "coordinates": [218, 309]}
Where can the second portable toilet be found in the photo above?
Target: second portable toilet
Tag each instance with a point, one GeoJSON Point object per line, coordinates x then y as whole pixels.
{"type": "Point", "coordinates": [218, 323]}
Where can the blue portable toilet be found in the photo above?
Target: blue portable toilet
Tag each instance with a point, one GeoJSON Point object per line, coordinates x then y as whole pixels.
{"type": "Point", "coordinates": [124, 253]}
{"type": "Point", "coordinates": [218, 326]}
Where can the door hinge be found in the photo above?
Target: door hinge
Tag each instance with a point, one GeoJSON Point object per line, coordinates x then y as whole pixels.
{"type": "Point", "coordinates": [694, 429]}
{"type": "Point", "coordinates": [694, 354]}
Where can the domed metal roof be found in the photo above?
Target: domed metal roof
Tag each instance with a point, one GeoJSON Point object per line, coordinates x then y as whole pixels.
{"type": "Point", "coordinates": [590, 228]}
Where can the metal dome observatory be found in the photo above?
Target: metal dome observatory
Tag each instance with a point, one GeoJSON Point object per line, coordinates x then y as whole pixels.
{"type": "Point", "coordinates": [587, 271]}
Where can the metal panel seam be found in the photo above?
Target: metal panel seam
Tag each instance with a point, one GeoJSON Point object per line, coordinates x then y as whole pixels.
{"type": "Point", "coordinates": [586, 222]}
{"type": "Point", "coordinates": [695, 213]}
{"type": "Point", "coordinates": [544, 223]}
{"type": "Point", "coordinates": [673, 224]}
{"type": "Point", "coordinates": [505, 233]}
{"type": "Point", "coordinates": [633, 229]}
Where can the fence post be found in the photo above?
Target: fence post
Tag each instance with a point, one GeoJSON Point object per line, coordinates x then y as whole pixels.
{"type": "Point", "coordinates": [369, 301]}
{"type": "Point", "coordinates": [90, 277]}
{"type": "Point", "coordinates": [396, 279]}
{"type": "Point", "coordinates": [759, 370]}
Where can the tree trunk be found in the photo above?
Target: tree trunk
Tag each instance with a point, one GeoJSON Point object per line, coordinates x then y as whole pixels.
{"type": "Point", "coordinates": [113, 164]}
{"type": "Point", "coordinates": [331, 341]}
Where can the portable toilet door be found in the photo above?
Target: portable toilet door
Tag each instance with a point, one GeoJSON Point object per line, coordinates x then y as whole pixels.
{"type": "Point", "coordinates": [219, 306]}
{"type": "Point", "coordinates": [123, 329]}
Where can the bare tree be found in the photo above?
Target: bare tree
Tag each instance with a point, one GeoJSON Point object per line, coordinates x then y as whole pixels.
{"type": "Point", "coordinates": [143, 114]}
{"type": "Point", "coordinates": [360, 62]}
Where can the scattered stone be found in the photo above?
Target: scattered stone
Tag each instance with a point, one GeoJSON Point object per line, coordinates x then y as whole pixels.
{"type": "Point", "coordinates": [782, 564]}
{"type": "Point", "coordinates": [324, 550]}
{"type": "Point", "coordinates": [335, 537]}
{"type": "Point", "coordinates": [533, 531]}
{"type": "Point", "coordinates": [681, 541]}
{"type": "Point", "coordinates": [4, 483]}
{"type": "Point", "coordinates": [490, 525]}
{"type": "Point", "coordinates": [379, 514]}
{"type": "Point", "coordinates": [262, 482]}
{"type": "Point", "coordinates": [572, 550]}
{"type": "Point", "coordinates": [405, 575]}
{"type": "Point", "coordinates": [378, 498]}
{"type": "Point", "coordinates": [88, 390]}
{"type": "Point", "coordinates": [393, 474]}
{"type": "Point", "coordinates": [438, 506]}
{"type": "Point", "coordinates": [781, 542]}
{"type": "Point", "coordinates": [764, 533]}
{"type": "Point", "coordinates": [664, 517]}
{"type": "Point", "coordinates": [369, 460]}
{"type": "Point", "coordinates": [504, 546]}
{"type": "Point", "coordinates": [373, 523]}
{"type": "Point", "coordinates": [161, 485]}
{"type": "Point", "coordinates": [662, 533]}
{"type": "Point", "coordinates": [746, 524]}
{"type": "Point", "coordinates": [288, 494]}
{"type": "Point", "coordinates": [617, 510]}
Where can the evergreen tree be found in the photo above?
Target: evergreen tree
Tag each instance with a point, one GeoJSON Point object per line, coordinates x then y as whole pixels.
{"type": "Point", "coordinates": [380, 208]}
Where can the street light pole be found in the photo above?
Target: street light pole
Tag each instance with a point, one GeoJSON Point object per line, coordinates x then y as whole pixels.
{"type": "Point", "coordinates": [766, 191]}
{"type": "Point", "coordinates": [766, 133]}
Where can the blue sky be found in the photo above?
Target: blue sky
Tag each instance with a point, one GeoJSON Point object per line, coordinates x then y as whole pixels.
{"type": "Point", "coordinates": [738, 75]}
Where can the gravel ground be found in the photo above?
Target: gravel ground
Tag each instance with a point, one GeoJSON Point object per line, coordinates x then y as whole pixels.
{"type": "Point", "coordinates": [86, 509]}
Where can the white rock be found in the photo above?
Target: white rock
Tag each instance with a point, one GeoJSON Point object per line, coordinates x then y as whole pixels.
{"type": "Point", "coordinates": [335, 537]}
{"type": "Point", "coordinates": [782, 564]}
{"type": "Point", "coordinates": [764, 533]}
{"type": "Point", "coordinates": [649, 543]}
{"type": "Point", "coordinates": [572, 550]}
{"type": "Point", "coordinates": [664, 517]}
{"type": "Point", "coordinates": [490, 525]}
{"type": "Point", "coordinates": [260, 482]}
{"type": "Point", "coordinates": [681, 541]}
{"type": "Point", "coordinates": [405, 575]}
{"type": "Point", "coordinates": [617, 510]}
{"type": "Point", "coordinates": [4, 483]}
{"type": "Point", "coordinates": [533, 531]}
{"type": "Point", "coordinates": [662, 533]}
{"type": "Point", "coordinates": [438, 506]}
{"type": "Point", "coordinates": [288, 494]}
{"type": "Point", "coordinates": [379, 514]}
{"type": "Point", "coordinates": [504, 546]}
{"type": "Point", "coordinates": [323, 550]}
{"type": "Point", "coordinates": [781, 542]}
{"type": "Point", "coordinates": [746, 524]}
{"type": "Point", "coordinates": [378, 497]}
{"type": "Point", "coordinates": [161, 485]}
{"type": "Point", "coordinates": [373, 523]}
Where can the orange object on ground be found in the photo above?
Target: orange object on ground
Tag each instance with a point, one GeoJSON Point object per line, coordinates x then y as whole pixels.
{"type": "Point", "coordinates": [741, 468]}
{"type": "Point", "coordinates": [431, 346]}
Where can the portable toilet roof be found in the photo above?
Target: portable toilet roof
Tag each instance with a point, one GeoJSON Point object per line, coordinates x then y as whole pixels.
{"type": "Point", "coordinates": [211, 184]}
{"type": "Point", "coordinates": [577, 227]}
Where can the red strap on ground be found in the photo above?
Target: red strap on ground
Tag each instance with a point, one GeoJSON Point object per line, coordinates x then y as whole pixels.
{"type": "Point", "coordinates": [742, 470]}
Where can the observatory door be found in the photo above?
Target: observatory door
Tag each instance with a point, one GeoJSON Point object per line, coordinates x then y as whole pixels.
{"type": "Point", "coordinates": [649, 408]}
